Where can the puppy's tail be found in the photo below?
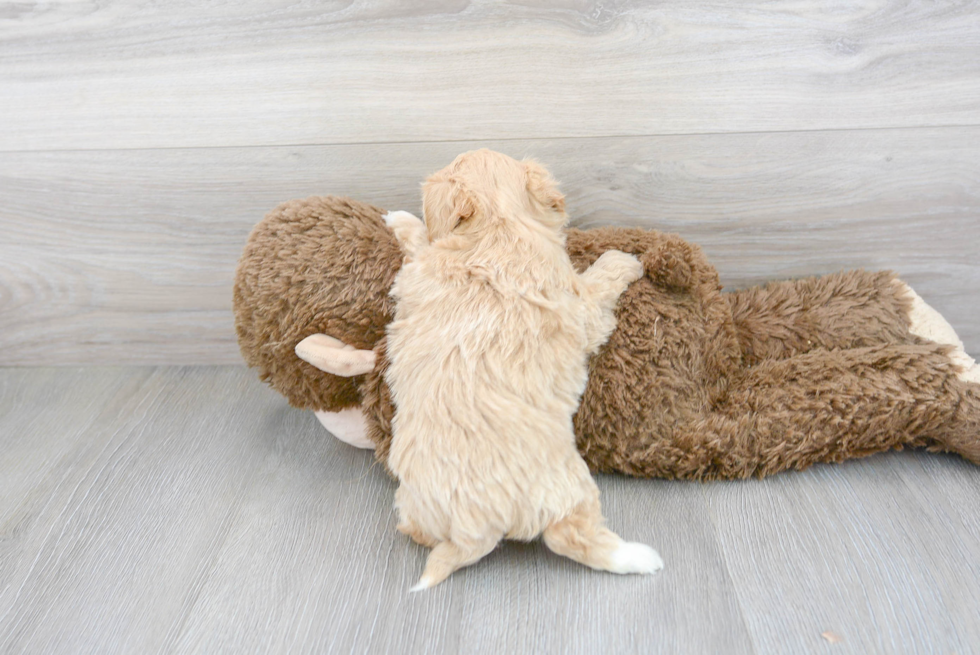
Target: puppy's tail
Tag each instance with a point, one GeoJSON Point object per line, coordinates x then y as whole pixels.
{"type": "Point", "coordinates": [449, 556]}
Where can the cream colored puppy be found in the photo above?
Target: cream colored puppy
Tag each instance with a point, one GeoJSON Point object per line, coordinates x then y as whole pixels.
{"type": "Point", "coordinates": [488, 360]}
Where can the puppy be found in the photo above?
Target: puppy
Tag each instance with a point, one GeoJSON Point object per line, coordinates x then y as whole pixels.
{"type": "Point", "coordinates": [488, 357]}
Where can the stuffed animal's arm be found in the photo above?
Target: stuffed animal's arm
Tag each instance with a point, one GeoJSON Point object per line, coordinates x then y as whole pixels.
{"type": "Point", "coordinates": [334, 356]}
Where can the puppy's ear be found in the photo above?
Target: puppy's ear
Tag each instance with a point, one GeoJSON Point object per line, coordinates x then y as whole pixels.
{"type": "Point", "coordinates": [542, 187]}
{"type": "Point", "coordinates": [445, 204]}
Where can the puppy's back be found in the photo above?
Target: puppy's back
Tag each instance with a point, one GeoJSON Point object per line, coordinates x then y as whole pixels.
{"type": "Point", "coordinates": [485, 383]}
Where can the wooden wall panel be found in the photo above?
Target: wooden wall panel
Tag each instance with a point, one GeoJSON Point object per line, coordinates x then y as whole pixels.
{"type": "Point", "coordinates": [144, 74]}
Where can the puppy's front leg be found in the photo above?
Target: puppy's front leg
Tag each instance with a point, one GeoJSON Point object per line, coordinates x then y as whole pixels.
{"type": "Point", "coordinates": [606, 280]}
{"type": "Point", "coordinates": [611, 274]}
{"type": "Point", "coordinates": [410, 231]}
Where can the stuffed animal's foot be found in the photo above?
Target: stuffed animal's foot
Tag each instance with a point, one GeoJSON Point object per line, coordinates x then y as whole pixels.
{"type": "Point", "coordinates": [349, 425]}
{"type": "Point", "coordinates": [926, 322]}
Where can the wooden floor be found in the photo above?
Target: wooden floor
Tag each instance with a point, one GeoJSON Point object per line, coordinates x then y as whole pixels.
{"type": "Point", "coordinates": [158, 510]}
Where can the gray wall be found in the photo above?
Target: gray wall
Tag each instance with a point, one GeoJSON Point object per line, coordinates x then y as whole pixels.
{"type": "Point", "coordinates": [140, 143]}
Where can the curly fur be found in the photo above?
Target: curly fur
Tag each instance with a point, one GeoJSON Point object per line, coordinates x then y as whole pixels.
{"type": "Point", "coordinates": [488, 357]}
{"type": "Point", "coordinates": [287, 287]}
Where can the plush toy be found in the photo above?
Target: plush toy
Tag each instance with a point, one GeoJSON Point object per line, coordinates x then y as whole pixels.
{"type": "Point", "coordinates": [693, 383]}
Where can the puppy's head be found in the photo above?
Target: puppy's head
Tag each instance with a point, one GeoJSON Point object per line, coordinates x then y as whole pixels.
{"type": "Point", "coordinates": [482, 188]}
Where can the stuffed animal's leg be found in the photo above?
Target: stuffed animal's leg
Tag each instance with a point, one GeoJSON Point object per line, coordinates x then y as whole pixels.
{"type": "Point", "coordinates": [853, 309]}
{"type": "Point", "coordinates": [828, 406]}
{"type": "Point", "coordinates": [581, 536]}
{"type": "Point", "coordinates": [449, 556]}
{"type": "Point", "coordinates": [349, 425]}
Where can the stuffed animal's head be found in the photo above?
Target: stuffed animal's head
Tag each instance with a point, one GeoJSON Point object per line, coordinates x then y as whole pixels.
{"type": "Point", "coordinates": [319, 265]}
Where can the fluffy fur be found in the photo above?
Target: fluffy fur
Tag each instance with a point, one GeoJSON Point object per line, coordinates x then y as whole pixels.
{"type": "Point", "coordinates": [693, 383]}
{"type": "Point", "coordinates": [287, 288]}
{"type": "Point", "coordinates": [488, 360]}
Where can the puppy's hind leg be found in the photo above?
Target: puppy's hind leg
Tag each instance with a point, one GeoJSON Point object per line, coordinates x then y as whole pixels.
{"type": "Point", "coordinates": [419, 536]}
{"type": "Point", "coordinates": [581, 536]}
{"type": "Point", "coordinates": [449, 556]}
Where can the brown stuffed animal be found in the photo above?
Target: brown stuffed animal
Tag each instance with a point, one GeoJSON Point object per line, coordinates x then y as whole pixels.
{"type": "Point", "coordinates": [694, 383]}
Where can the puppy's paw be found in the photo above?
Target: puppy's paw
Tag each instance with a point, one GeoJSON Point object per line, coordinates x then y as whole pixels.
{"type": "Point", "coordinates": [409, 230]}
{"type": "Point", "coordinates": [399, 219]}
{"type": "Point", "coordinates": [633, 557]}
{"type": "Point", "coordinates": [620, 266]}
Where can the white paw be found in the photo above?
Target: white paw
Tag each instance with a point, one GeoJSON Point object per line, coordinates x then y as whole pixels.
{"type": "Point", "coordinates": [633, 557]}
{"type": "Point", "coordinates": [400, 218]}
{"type": "Point", "coordinates": [621, 265]}
{"type": "Point", "coordinates": [424, 583]}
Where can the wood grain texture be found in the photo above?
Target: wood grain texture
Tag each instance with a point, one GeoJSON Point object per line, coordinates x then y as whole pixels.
{"type": "Point", "coordinates": [143, 75]}
{"type": "Point", "coordinates": [105, 550]}
{"type": "Point", "coordinates": [870, 550]}
{"type": "Point", "coordinates": [129, 256]}
{"type": "Point", "coordinates": [177, 510]}
{"type": "Point", "coordinates": [197, 513]}
{"type": "Point", "coordinates": [352, 595]}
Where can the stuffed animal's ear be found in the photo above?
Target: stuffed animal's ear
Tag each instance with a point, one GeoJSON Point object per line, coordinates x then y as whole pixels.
{"type": "Point", "coordinates": [333, 356]}
{"type": "Point", "coordinates": [542, 187]}
{"type": "Point", "coordinates": [445, 204]}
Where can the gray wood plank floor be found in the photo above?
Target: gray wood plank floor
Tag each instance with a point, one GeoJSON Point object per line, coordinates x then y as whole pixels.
{"type": "Point", "coordinates": [190, 510]}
